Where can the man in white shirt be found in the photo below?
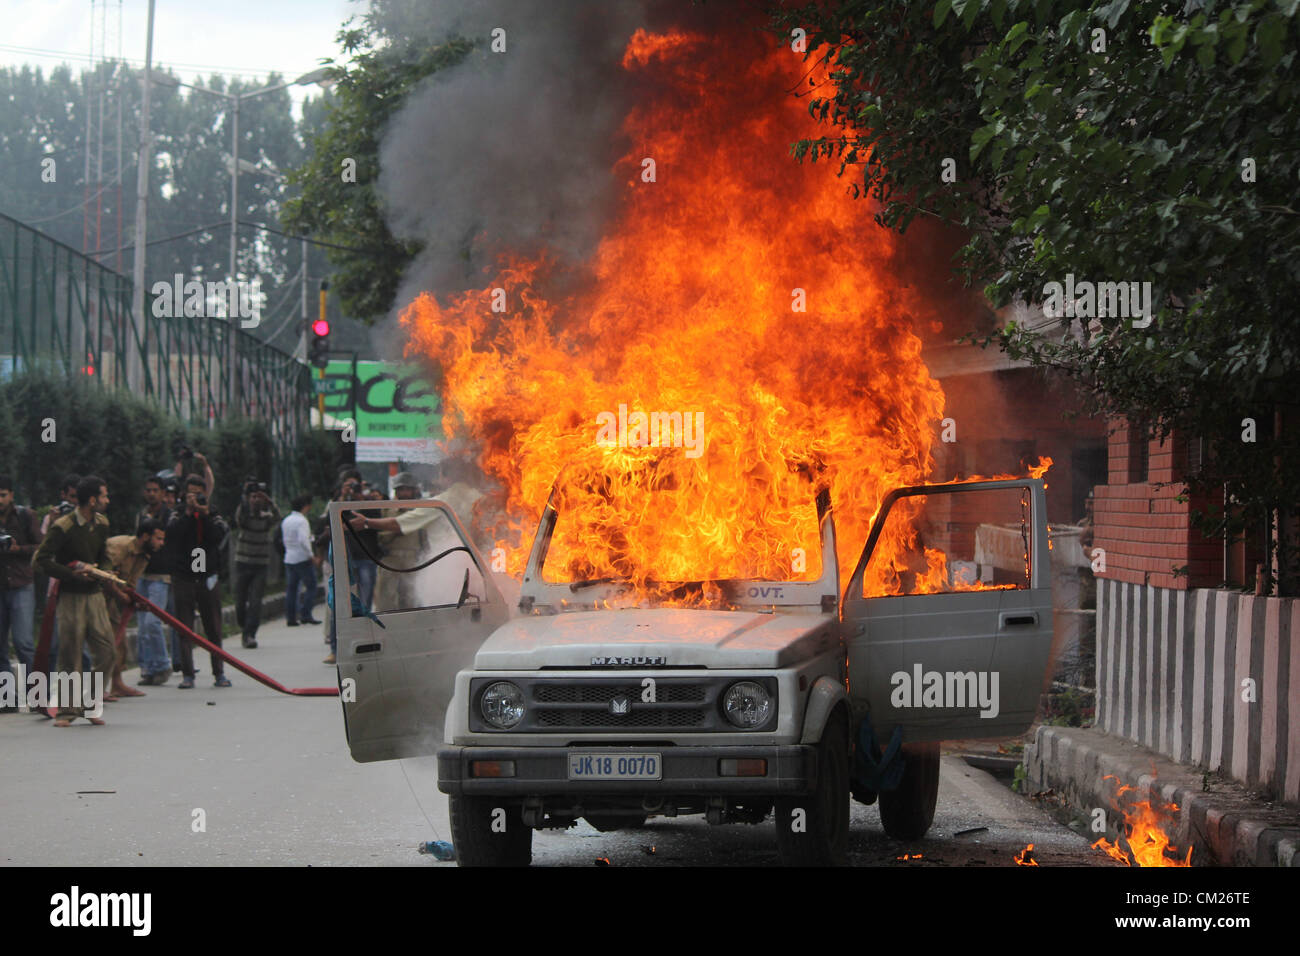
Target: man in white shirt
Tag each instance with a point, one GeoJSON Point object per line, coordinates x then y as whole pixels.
{"type": "Point", "coordinates": [299, 566]}
{"type": "Point", "coordinates": [412, 535]}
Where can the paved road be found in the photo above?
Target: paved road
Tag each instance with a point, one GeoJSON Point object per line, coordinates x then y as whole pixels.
{"type": "Point", "coordinates": [273, 778]}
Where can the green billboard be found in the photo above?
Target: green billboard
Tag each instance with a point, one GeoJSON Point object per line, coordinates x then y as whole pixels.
{"type": "Point", "coordinates": [396, 411]}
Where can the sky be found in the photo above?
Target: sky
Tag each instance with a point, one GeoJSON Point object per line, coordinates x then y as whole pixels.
{"type": "Point", "coordinates": [195, 38]}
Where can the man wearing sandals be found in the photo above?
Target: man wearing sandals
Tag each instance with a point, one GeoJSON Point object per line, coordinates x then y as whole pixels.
{"type": "Point", "coordinates": [76, 541]}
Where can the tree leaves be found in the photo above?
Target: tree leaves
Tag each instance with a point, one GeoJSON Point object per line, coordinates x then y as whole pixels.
{"type": "Point", "coordinates": [1128, 165]}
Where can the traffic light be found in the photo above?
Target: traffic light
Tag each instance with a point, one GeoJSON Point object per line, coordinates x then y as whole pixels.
{"type": "Point", "coordinates": [318, 335]}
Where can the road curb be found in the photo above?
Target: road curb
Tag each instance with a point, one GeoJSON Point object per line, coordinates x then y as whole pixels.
{"type": "Point", "coordinates": [1227, 825]}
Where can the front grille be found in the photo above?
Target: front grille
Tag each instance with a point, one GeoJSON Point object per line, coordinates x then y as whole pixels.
{"type": "Point", "coordinates": [689, 704]}
{"type": "Point", "coordinates": [582, 693]}
{"type": "Point", "coordinates": [565, 719]}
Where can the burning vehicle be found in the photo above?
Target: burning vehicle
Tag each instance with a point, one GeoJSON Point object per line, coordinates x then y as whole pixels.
{"type": "Point", "coordinates": [615, 697]}
{"type": "Point", "coordinates": [665, 414]}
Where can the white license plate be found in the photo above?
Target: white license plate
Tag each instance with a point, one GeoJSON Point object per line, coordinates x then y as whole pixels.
{"type": "Point", "coordinates": [615, 766]}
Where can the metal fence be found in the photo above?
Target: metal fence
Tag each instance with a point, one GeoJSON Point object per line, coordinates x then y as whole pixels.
{"type": "Point", "coordinates": [62, 312]}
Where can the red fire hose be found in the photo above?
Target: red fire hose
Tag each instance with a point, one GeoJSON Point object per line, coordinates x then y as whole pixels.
{"type": "Point", "coordinates": [144, 604]}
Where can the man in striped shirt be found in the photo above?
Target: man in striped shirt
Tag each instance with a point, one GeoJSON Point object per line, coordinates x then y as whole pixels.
{"type": "Point", "coordinates": [255, 521]}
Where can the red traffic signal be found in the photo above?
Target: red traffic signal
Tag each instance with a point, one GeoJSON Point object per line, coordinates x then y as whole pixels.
{"type": "Point", "coordinates": [320, 328]}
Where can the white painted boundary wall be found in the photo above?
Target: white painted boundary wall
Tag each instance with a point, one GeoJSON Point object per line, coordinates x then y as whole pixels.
{"type": "Point", "coordinates": [1174, 671]}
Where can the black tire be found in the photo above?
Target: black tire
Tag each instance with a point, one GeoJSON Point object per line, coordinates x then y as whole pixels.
{"type": "Point", "coordinates": [907, 812]}
{"type": "Point", "coordinates": [813, 830]}
{"type": "Point", "coordinates": [477, 844]}
{"type": "Point", "coordinates": [612, 823]}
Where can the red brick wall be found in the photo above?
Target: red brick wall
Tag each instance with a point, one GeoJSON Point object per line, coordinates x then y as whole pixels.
{"type": "Point", "coordinates": [1144, 530]}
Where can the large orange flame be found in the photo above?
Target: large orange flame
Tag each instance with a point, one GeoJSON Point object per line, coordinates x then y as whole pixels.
{"type": "Point", "coordinates": [1143, 839]}
{"type": "Point", "coordinates": [733, 284]}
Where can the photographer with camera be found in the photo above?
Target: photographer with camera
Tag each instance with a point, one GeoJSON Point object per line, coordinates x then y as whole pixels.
{"type": "Point", "coordinates": [361, 565]}
{"type": "Point", "coordinates": [19, 535]}
{"type": "Point", "coordinates": [361, 545]}
{"type": "Point", "coordinates": [190, 463]}
{"type": "Point", "coordinates": [154, 585]}
{"type": "Point", "coordinates": [196, 536]}
{"type": "Point", "coordinates": [67, 502]}
{"type": "Point", "coordinates": [256, 519]}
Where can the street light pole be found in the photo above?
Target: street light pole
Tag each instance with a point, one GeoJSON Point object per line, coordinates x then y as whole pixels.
{"type": "Point", "coordinates": [234, 190]}
{"type": "Point", "coordinates": [234, 392]}
{"type": "Point", "coordinates": [135, 359]}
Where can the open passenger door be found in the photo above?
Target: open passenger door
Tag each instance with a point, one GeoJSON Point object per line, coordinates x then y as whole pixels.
{"type": "Point", "coordinates": [949, 636]}
{"type": "Point", "coordinates": [435, 602]}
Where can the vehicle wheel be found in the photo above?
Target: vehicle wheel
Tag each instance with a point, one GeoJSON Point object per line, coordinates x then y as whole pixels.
{"type": "Point", "coordinates": [613, 822]}
{"type": "Point", "coordinates": [907, 812]}
{"type": "Point", "coordinates": [813, 830]}
{"type": "Point", "coordinates": [475, 840]}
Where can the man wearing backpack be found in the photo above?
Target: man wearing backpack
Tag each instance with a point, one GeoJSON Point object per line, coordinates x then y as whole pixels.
{"type": "Point", "coordinates": [19, 536]}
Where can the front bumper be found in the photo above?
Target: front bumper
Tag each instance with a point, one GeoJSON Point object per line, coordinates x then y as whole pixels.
{"type": "Point", "coordinates": [539, 771]}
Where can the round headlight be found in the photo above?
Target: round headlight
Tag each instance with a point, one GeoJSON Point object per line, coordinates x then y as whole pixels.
{"type": "Point", "coordinates": [747, 704]}
{"type": "Point", "coordinates": [502, 705]}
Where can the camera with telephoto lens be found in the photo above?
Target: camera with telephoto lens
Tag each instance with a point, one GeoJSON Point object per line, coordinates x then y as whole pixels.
{"type": "Point", "coordinates": [6, 541]}
{"type": "Point", "coordinates": [253, 485]}
{"type": "Point", "coordinates": [200, 499]}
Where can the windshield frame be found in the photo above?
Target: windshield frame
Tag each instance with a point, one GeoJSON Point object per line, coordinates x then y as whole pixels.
{"type": "Point", "coordinates": [540, 596]}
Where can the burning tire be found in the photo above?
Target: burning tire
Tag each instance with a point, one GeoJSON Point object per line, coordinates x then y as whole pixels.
{"type": "Point", "coordinates": [488, 834]}
{"type": "Point", "coordinates": [907, 812]}
{"type": "Point", "coordinates": [813, 830]}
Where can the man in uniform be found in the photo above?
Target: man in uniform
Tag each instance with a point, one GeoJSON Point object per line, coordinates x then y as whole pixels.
{"type": "Point", "coordinates": [76, 541]}
{"type": "Point", "coordinates": [130, 555]}
{"type": "Point", "coordinates": [19, 536]}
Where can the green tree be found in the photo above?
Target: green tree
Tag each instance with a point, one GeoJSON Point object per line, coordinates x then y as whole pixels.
{"type": "Point", "coordinates": [1117, 141]}
{"type": "Point", "coordinates": [44, 117]}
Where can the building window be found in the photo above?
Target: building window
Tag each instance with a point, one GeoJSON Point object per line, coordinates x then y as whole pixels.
{"type": "Point", "coordinates": [1139, 449]}
{"type": "Point", "coordinates": [1192, 448]}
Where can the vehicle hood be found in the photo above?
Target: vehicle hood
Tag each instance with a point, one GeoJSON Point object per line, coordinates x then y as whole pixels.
{"type": "Point", "coordinates": [684, 637]}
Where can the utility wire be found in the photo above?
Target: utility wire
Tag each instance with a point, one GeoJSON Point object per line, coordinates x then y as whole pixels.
{"type": "Point", "coordinates": [255, 225]}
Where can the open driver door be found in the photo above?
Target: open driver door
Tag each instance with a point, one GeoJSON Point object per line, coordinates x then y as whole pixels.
{"type": "Point", "coordinates": [948, 625]}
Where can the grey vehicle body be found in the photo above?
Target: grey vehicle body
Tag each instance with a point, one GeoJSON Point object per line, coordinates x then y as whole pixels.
{"type": "Point", "coordinates": [635, 682]}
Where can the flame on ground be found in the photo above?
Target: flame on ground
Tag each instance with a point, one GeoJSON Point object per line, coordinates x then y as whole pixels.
{"type": "Point", "coordinates": [689, 313]}
{"type": "Point", "coordinates": [1026, 857]}
{"type": "Point", "coordinates": [1143, 841]}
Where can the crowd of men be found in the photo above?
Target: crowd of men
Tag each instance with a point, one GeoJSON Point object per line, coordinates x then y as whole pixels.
{"type": "Point", "coordinates": [173, 559]}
